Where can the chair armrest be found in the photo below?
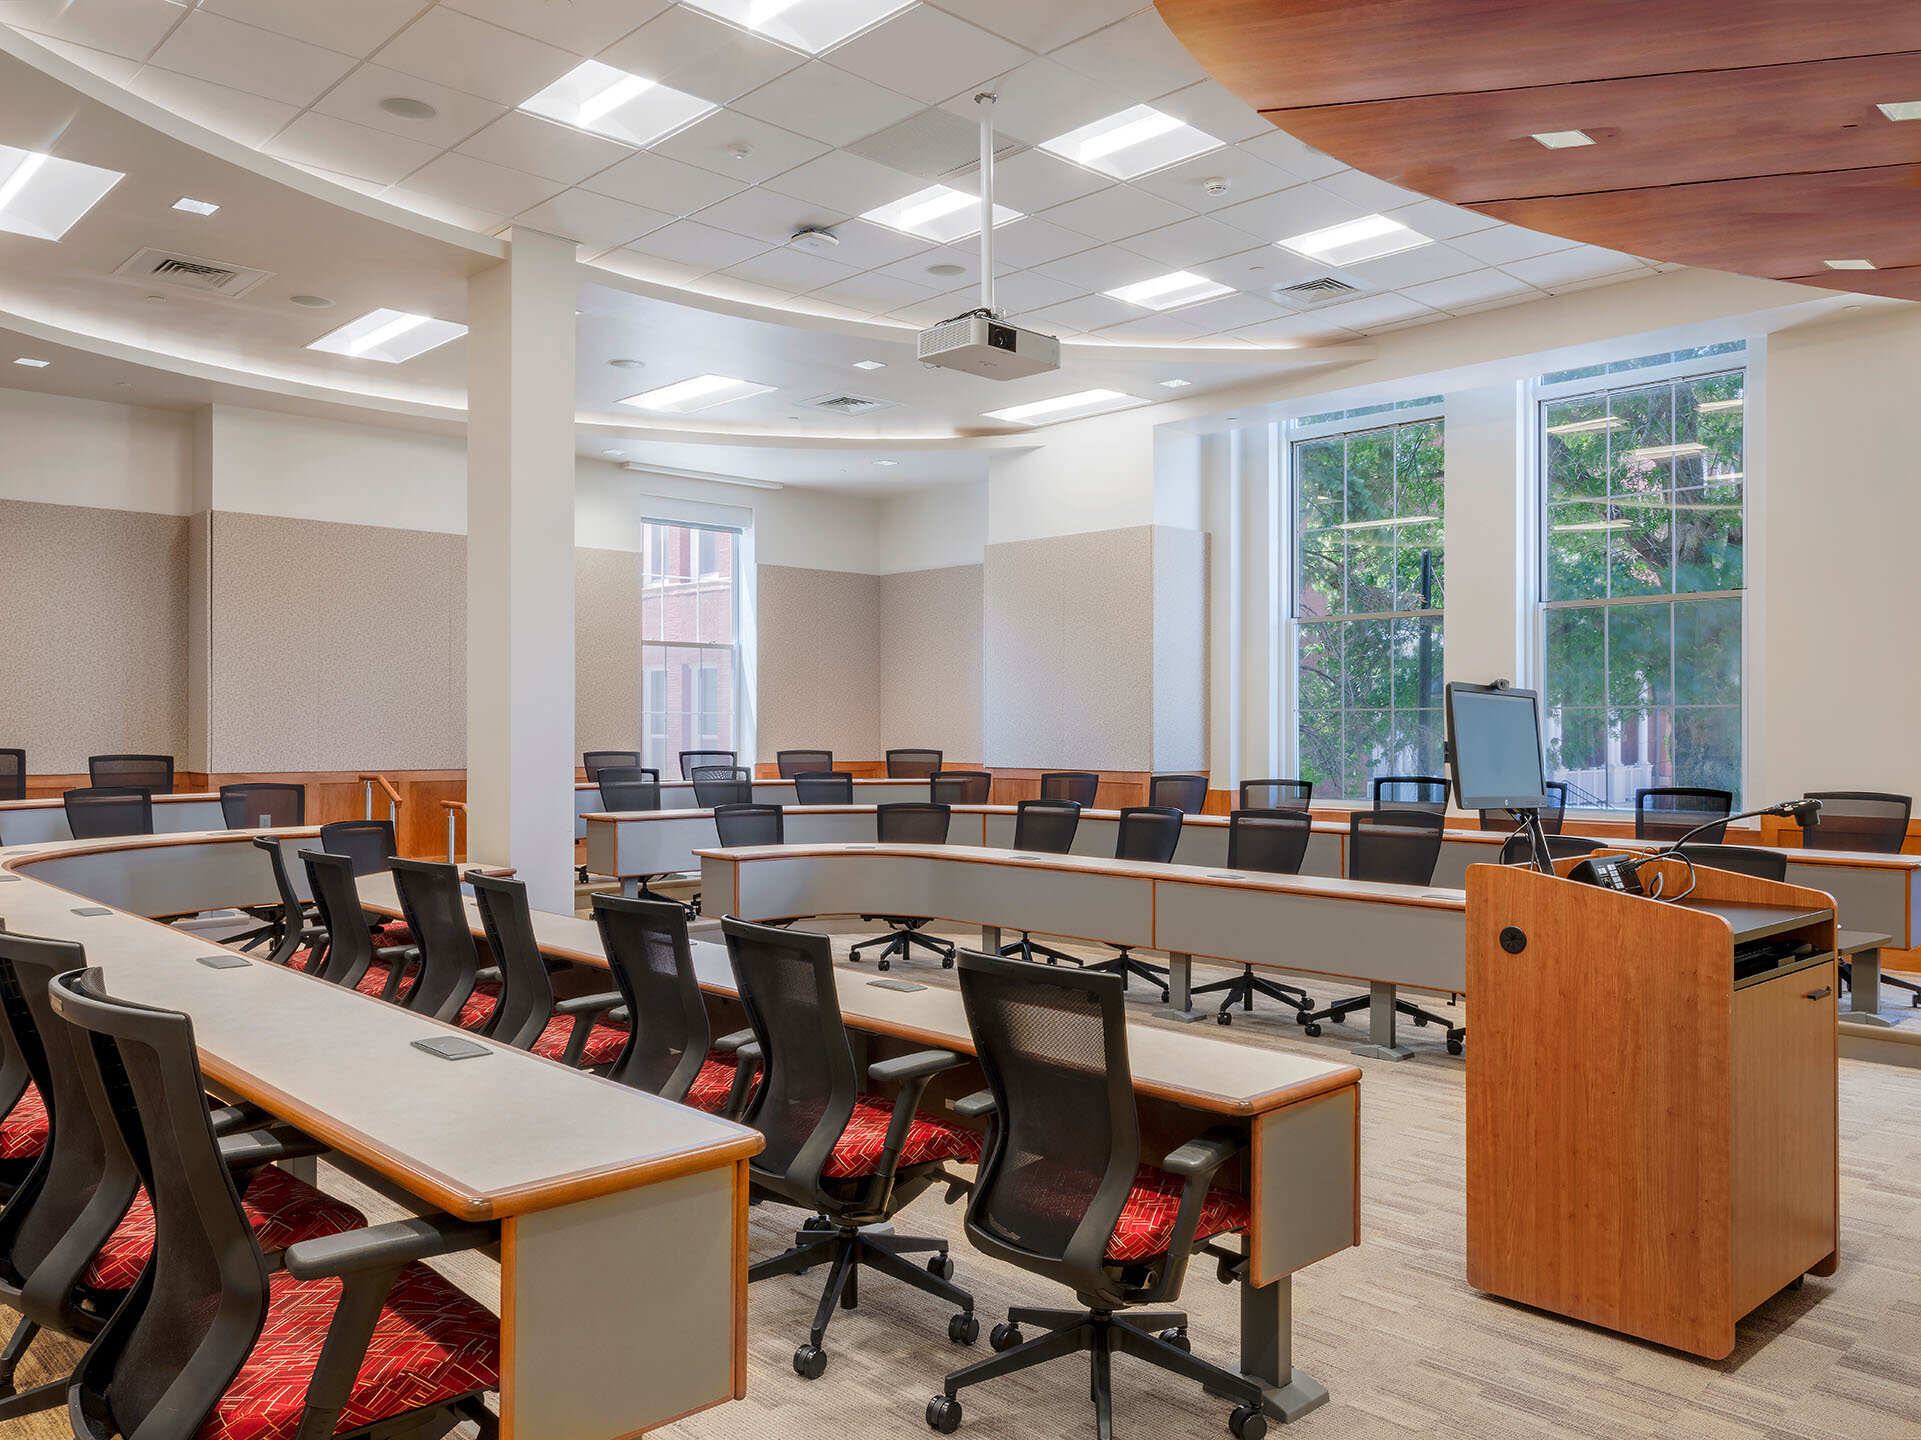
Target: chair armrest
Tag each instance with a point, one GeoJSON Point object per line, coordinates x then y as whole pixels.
{"type": "Point", "coordinates": [749, 1054]}
{"type": "Point", "coordinates": [973, 1107]}
{"type": "Point", "coordinates": [728, 1044]}
{"type": "Point", "coordinates": [487, 972]}
{"type": "Point", "coordinates": [232, 1119]}
{"type": "Point", "coordinates": [1200, 1157]}
{"type": "Point", "coordinates": [587, 1004]}
{"type": "Point", "coordinates": [919, 1066]}
{"type": "Point", "coordinates": [387, 1247]}
{"type": "Point", "coordinates": [261, 1147]}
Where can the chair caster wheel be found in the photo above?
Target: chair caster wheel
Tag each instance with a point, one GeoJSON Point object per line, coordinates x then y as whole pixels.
{"type": "Point", "coordinates": [810, 1362]}
{"type": "Point", "coordinates": [1454, 1047]}
{"type": "Point", "coordinates": [1420, 1022]}
{"type": "Point", "coordinates": [941, 1265]}
{"type": "Point", "coordinates": [885, 965]}
{"type": "Point", "coordinates": [1223, 1019]}
{"type": "Point", "coordinates": [1004, 1336]}
{"type": "Point", "coordinates": [1178, 1339]}
{"type": "Point", "coordinates": [1164, 997]}
{"type": "Point", "coordinates": [944, 1414]}
{"type": "Point", "coordinates": [1247, 1423]}
{"type": "Point", "coordinates": [964, 1328]}
{"type": "Point", "coordinates": [947, 962]}
{"type": "Point", "coordinates": [1311, 1028]}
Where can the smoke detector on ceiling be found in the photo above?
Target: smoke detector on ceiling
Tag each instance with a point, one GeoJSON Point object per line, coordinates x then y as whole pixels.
{"type": "Point", "coordinates": [191, 272]}
{"type": "Point", "coordinates": [815, 238]}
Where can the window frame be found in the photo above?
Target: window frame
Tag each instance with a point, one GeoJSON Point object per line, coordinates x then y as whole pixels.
{"type": "Point", "coordinates": [657, 727]}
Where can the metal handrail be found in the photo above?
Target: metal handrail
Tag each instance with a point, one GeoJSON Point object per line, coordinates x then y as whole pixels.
{"type": "Point", "coordinates": [394, 798]}
{"type": "Point", "coordinates": [455, 810]}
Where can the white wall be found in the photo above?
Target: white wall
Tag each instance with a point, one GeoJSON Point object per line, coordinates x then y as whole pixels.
{"type": "Point", "coordinates": [266, 463]}
{"type": "Point", "coordinates": [933, 529]}
{"type": "Point", "coordinates": [1488, 493]}
{"type": "Point", "coordinates": [60, 451]}
{"type": "Point", "coordinates": [1090, 475]}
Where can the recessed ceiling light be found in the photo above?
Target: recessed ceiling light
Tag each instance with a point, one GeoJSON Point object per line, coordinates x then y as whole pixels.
{"type": "Point", "coordinates": [389, 336]}
{"type": "Point", "coordinates": [1901, 109]}
{"type": "Point", "coordinates": [939, 213]}
{"type": "Point", "coordinates": [887, 464]}
{"type": "Point", "coordinates": [195, 207]}
{"type": "Point", "coordinates": [1170, 292]}
{"type": "Point", "coordinates": [33, 364]}
{"type": "Point", "coordinates": [875, 364]}
{"type": "Point", "coordinates": [1370, 238]}
{"type": "Point", "coordinates": [1061, 407]}
{"type": "Point", "coordinates": [1562, 139]}
{"type": "Point", "coordinates": [807, 25]}
{"type": "Point", "coordinates": [625, 364]}
{"type": "Point", "coordinates": [1132, 142]}
{"type": "Point", "coordinates": [312, 302]}
{"type": "Point", "coordinates": [1176, 384]}
{"type": "Point", "coordinates": [1849, 264]}
{"type": "Point", "coordinates": [703, 392]}
{"type": "Point", "coordinates": [1582, 427]}
{"type": "Point", "coordinates": [619, 105]}
{"type": "Point", "coordinates": [43, 196]}
{"type": "Point", "coordinates": [1710, 407]}
{"type": "Point", "coordinates": [1669, 452]}
{"type": "Point", "coordinates": [408, 108]}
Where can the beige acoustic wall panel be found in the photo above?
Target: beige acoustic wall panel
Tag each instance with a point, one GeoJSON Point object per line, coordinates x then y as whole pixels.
{"type": "Point", "coordinates": [96, 637]}
{"type": "Point", "coordinates": [820, 669]}
{"type": "Point", "coordinates": [199, 558]}
{"type": "Point", "coordinates": [607, 586]}
{"type": "Point", "coordinates": [930, 657]}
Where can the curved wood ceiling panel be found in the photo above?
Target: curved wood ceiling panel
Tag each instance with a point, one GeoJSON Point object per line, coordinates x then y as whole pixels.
{"type": "Point", "coordinates": [1739, 136]}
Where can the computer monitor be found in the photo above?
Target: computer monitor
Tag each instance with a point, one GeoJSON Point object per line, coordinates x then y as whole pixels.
{"type": "Point", "coordinates": [1494, 748]}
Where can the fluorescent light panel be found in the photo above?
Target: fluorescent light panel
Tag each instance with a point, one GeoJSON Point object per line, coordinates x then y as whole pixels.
{"type": "Point", "coordinates": [702, 392]}
{"type": "Point", "coordinates": [33, 364]}
{"type": "Point", "coordinates": [810, 26]}
{"type": "Point", "coordinates": [619, 105]}
{"type": "Point", "coordinates": [1061, 407]}
{"type": "Point", "coordinates": [390, 336]}
{"type": "Point", "coordinates": [1372, 237]}
{"type": "Point", "coordinates": [43, 196]}
{"type": "Point", "coordinates": [1901, 109]}
{"type": "Point", "coordinates": [1849, 264]}
{"type": "Point", "coordinates": [939, 213]}
{"type": "Point", "coordinates": [1562, 139]}
{"type": "Point", "coordinates": [195, 207]}
{"type": "Point", "coordinates": [1170, 292]}
{"type": "Point", "coordinates": [1132, 142]}
{"type": "Point", "coordinates": [870, 364]}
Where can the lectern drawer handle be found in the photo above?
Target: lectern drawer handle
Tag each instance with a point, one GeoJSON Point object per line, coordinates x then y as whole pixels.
{"type": "Point", "coordinates": [1822, 993]}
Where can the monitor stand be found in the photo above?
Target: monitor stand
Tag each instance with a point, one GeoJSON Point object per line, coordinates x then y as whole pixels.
{"type": "Point", "coordinates": [1537, 839]}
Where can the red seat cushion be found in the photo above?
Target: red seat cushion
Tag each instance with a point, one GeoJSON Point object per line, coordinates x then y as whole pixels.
{"type": "Point", "coordinates": [715, 1083]}
{"type": "Point", "coordinates": [373, 983]}
{"type": "Point", "coordinates": [1146, 1226]}
{"type": "Point", "coordinates": [23, 1134]}
{"type": "Point", "coordinates": [604, 1041]}
{"type": "Point", "coordinates": [281, 1209]}
{"type": "Point", "coordinates": [929, 1138]}
{"type": "Point", "coordinates": [431, 1344]}
{"type": "Point", "coordinates": [393, 932]}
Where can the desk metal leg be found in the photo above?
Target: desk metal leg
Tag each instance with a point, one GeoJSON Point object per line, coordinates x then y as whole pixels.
{"type": "Point", "coordinates": [1180, 988]}
{"type": "Point", "coordinates": [990, 939]}
{"type": "Point", "coordinates": [630, 888]}
{"type": "Point", "coordinates": [1381, 1044]}
{"type": "Point", "coordinates": [1864, 989]}
{"type": "Point", "coordinates": [1267, 1350]}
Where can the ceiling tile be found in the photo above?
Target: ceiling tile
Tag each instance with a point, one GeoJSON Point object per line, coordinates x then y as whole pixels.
{"type": "Point", "coordinates": [648, 267]}
{"type": "Point", "coordinates": [767, 216]}
{"type": "Point", "coordinates": [1289, 212]}
{"type": "Point", "coordinates": [1567, 267]}
{"type": "Point", "coordinates": [1042, 99]}
{"type": "Point", "coordinates": [1506, 243]}
{"type": "Point", "coordinates": [451, 212]}
{"type": "Point", "coordinates": [359, 27]}
{"type": "Point", "coordinates": [927, 53]}
{"type": "Point", "coordinates": [358, 98]}
{"type": "Point", "coordinates": [1293, 327]}
{"type": "Point", "coordinates": [350, 149]}
{"type": "Point", "coordinates": [1374, 311]}
{"type": "Point", "coordinates": [1170, 328]}
{"type": "Point", "coordinates": [1440, 221]}
{"type": "Point", "coordinates": [968, 263]}
{"type": "Point", "coordinates": [115, 68]}
{"type": "Point", "coordinates": [1370, 194]}
{"type": "Point", "coordinates": [700, 247]}
{"type": "Point", "coordinates": [1519, 298]}
{"type": "Point", "coordinates": [748, 293]}
{"type": "Point", "coordinates": [1040, 26]}
{"type": "Point", "coordinates": [239, 116]}
{"type": "Point", "coordinates": [211, 47]}
{"type": "Point", "coordinates": [793, 271]}
{"type": "Point", "coordinates": [922, 313]}
{"type": "Point", "coordinates": [700, 55]}
{"type": "Point", "coordinates": [1079, 317]}
{"type": "Point", "coordinates": [1212, 108]}
{"type": "Point", "coordinates": [468, 54]}
{"type": "Point", "coordinates": [334, 177]}
{"type": "Point", "coordinates": [1107, 268]}
{"type": "Point", "coordinates": [1187, 243]}
{"type": "Point", "coordinates": [541, 147]}
{"type": "Point", "coordinates": [1297, 158]}
{"type": "Point", "coordinates": [1023, 291]}
{"type": "Point", "coordinates": [586, 27]}
{"type": "Point", "coordinates": [712, 144]}
{"type": "Point", "coordinates": [1247, 179]}
{"type": "Point", "coordinates": [463, 180]}
{"type": "Point", "coordinates": [1139, 57]}
{"type": "Point", "coordinates": [129, 28]}
{"type": "Point", "coordinates": [1415, 267]}
{"type": "Point", "coordinates": [873, 294]}
{"type": "Point", "coordinates": [1032, 241]}
{"type": "Point", "coordinates": [867, 246]}
{"type": "Point", "coordinates": [1232, 312]}
{"type": "Point", "coordinates": [1034, 180]}
{"type": "Point", "coordinates": [1116, 212]}
{"type": "Point", "coordinates": [598, 222]}
{"type": "Point", "coordinates": [827, 104]}
{"type": "Point", "coordinates": [1477, 287]}
{"type": "Point", "coordinates": [846, 183]}
{"type": "Point", "coordinates": [654, 180]}
{"type": "Point", "coordinates": [1261, 269]}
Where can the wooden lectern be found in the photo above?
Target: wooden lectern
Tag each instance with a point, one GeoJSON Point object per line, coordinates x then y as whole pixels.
{"type": "Point", "coordinates": [1651, 1143]}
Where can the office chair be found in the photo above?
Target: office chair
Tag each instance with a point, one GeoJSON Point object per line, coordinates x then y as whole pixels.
{"type": "Point", "coordinates": [452, 985]}
{"type": "Point", "coordinates": [295, 925]}
{"type": "Point", "coordinates": [23, 1113]}
{"type": "Point", "coordinates": [743, 825]}
{"type": "Point", "coordinates": [349, 956]}
{"type": "Point", "coordinates": [263, 806]}
{"type": "Point", "coordinates": [1187, 793]}
{"type": "Point", "coordinates": [908, 823]}
{"type": "Point", "coordinates": [1669, 812]}
{"type": "Point", "coordinates": [802, 762]}
{"type": "Point", "coordinates": [1763, 862]}
{"type": "Point", "coordinates": [1516, 850]}
{"type": "Point", "coordinates": [1553, 814]}
{"type": "Point", "coordinates": [1391, 847]}
{"type": "Point", "coordinates": [152, 773]}
{"type": "Point", "coordinates": [371, 845]}
{"type": "Point", "coordinates": [628, 787]}
{"type": "Point", "coordinates": [595, 761]}
{"type": "Point", "coordinates": [13, 774]}
{"type": "Point", "coordinates": [1410, 792]}
{"type": "Point", "coordinates": [824, 787]}
{"type": "Point", "coordinates": [1080, 786]}
{"type": "Point", "coordinates": [833, 1147]}
{"type": "Point", "coordinates": [1276, 794]}
{"type": "Point", "coordinates": [960, 787]}
{"type": "Point", "coordinates": [912, 764]}
{"type": "Point", "coordinates": [1064, 1193]}
{"type": "Point", "coordinates": [692, 760]}
{"type": "Point", "coordinates": [525, 1014]}
{"type": "Point", "coordinates": [1151, 833]}
{"type": "Point", "coordinates": [101, 812]}
{"type": "Point", "coordinates": [1044, 827]}
{"type": "Point", "coordinates": [716, 785]}
{"type": "Point", "coordinates": [1858, 820]}
{"type": "Point", "coordinates": [348, 1335]}
{"type": "Point", "coordinates": [670, 1051]}
{"type": "Point", "coordinates": [1268, 842]}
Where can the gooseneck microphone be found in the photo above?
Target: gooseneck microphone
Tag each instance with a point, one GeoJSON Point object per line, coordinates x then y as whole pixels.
{"type": "Point", "coordinates": [1805, 813]}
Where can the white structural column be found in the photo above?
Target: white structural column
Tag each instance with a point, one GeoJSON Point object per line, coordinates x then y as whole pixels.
{"type": "Point", "coordinates": [1489, 606]}
{"type": "Point", "coordinates": [520, 566]}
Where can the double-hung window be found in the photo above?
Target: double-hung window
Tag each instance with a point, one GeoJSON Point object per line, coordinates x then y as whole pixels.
{"type": "Point", "coordinates": [690, 642]}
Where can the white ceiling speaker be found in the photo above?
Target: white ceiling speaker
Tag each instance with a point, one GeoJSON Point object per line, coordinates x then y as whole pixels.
{"type": "Point", "coordinates": [816, 239]}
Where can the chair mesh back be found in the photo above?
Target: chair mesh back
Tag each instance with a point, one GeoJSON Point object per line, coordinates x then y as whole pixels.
{"type": "Point", "coordinates": [1046, 826]}
{"type": "Point", "coordinates": [741, 825]}
{"type": "Point", "coordinates": [1763, 862]}
{"type": "Point", "coordinates": [526, 992]}
{"type": "Point", "coordinates": [350, 947]}
{"type": "Point", "coordinates": [1410, 792]}
{"type": "Point", "coordinates": [653, 968]}
{"type": "Point", "coordinates": [431, 901]}
{"type": "Point", "coordinates": [1276, 794]}
{"type": "Point", "coordinates": [1053, 1046]}
{"type": "Point", "coordinates": [1273, 842]}
{"type": "Point", "coordinates": [960, 787]}
{"type": "Point", "coordinates": [802, 762]}
{"type": "Point", "coordinates": [722, 785]}
{"type": "Point", "coordinates": [1178, 792]}
{"type": "Point", "coordinates": [629, 787]}
{"type": "Point", "coordinates": [595, 761]}
{"type": "Point", "coordinates": [692, 760]}
{"type": "Point", "coordinates": [153, 773]}
{"type": "Point", "coordinates": [824, 787]}
{"type": "Point", "coordinates": [13, 774]}
{"type": "Point", "coordinates": [102, 812]}
{"type": "Point", "coordinates": [263, 806]}
{"type": "Point", "coordinates": [1080, 786]}
{"type": "Point", "coordinates": [912, 823]}
{"type": "Point", "coordinates": [1393, 847]}
{"type": "Point", "coordinates": [1148, 832]}
{"type": "Point", "coordinates": [368, 843]}
{"type": "Point", "coordinates": [1668, 813]}
{"type": "Point", "coordinates": [912, 764]}
{"type": "Point", "coordinates": [1515, 850]}
{"type": "Point", "coordinates": [1859, 820]}
{"type": "Point", "coordinates": [1553, 814]}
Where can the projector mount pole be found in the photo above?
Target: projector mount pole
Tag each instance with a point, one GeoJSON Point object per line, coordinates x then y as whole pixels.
{"type": "Point", "coordinates": [985, 100]}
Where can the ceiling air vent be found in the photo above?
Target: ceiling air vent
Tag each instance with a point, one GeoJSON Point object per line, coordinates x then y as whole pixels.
{"type": "Point", "coordinates": [191, 272]}
{"type": "Point", "coordinates": [849, 404]}
{"type": "Point", "coordinates": [1321, 290]}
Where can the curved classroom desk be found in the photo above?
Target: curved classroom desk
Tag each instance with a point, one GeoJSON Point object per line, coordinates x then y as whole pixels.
{"type": "Point", "coordinates": [622, 1230]}
{"type": "Point", "coordinates": [679, 795]}
{"type": "Point", "coordinates": [34, 822]}
{"type": "Point", "coordinates": [1302, 1169]}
